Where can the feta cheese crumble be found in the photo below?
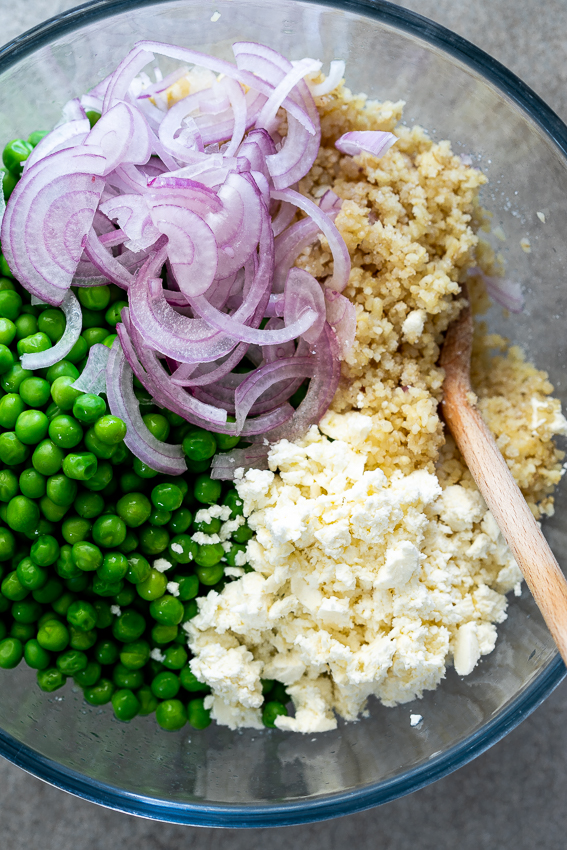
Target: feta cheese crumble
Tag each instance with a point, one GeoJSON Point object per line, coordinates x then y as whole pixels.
{"type": "Point", "coordinates": [361, 585]}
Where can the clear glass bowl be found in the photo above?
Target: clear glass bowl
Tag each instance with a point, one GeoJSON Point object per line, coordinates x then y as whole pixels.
{"type": "Point", "coordinates": [250, 778]}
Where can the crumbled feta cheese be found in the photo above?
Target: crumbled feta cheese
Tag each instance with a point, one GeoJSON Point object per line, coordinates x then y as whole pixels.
{"type": "Point", "coordinates": [415, 719]}
{"type": "Point", "coordinates": [157, 654]}
{"type": "Point", "coordinates": [203, 539]}
{"type": "Point", "coordinates": [173, 588]}
{"type": "Point", "coordinates": [162, 564]}
{"type": "Point", "coordinates": [412, 327]}
{"type": "Point", "coordinates": [361, 584]}
{"type": "Point", "coordinates": [116, 610]}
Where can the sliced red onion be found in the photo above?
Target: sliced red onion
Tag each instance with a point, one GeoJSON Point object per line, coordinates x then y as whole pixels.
{"type": "Point", "coordinates": [252, 457]}
{"type": "Point", "coordinates": [164, 83]}
{"type": "Point", "coordinates": [282, 90]}
{"type": "Point", "coordinates": [238, 226]}
{"type": "Point", "coordinates": [73, 111]}
{"type": "Point", "coordinates": [93, 377]}
{"type": "Point", "coordinates": [303, 294]}
{"type": "Point", "coordinates": [265, 377]}
{"type": "Point", "coordinates": [289, 245]}
{"type": "Point", "coordinates": [74, 317]}
{"type": "Point", "coordinates": [330, 83]}
{"type": "Point", "coordinates": [64, 136]}
{"type": "Point", "coordinates": [163, 457]}
{"type": "Point", "coordinates": [341, 314]}
{"type": "Point", "coordinates": [134, 218]}
{"type": "Point", "coordinates": [118, 82]}
{"type": "Point", "coordinates": [192, 248]}
{"type": "Point", "coordinates": [375, 142]}
{"type": "Point", "coordinates": [123, 134]}
{"type": "Point", "coordinates": [505, 292]}
{"type": "Point", "coordinates": [190, 375]}
{"type": "Point", "coordinates": [341, 257]}
{"type": "Point", "coordinates": [50, 211]}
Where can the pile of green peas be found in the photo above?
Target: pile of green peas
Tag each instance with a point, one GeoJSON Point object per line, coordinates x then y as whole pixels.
{"type": "Point", "coordinates": [83, 523]}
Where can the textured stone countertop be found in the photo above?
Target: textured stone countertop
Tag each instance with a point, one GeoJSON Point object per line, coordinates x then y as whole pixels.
{"type": "Point", "coordinates": [510, 798]}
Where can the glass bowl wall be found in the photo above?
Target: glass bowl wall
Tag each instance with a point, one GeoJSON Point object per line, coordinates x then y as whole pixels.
{"type": "Point", "coordinates": [250, 778]}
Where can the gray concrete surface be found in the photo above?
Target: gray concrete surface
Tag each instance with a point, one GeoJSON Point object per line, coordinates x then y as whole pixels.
{"type": "Point", "coordinates": [512, 796]}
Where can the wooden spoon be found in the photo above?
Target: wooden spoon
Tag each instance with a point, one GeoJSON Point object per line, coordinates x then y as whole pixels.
{"type": "Point", "coordinates": [494, 480]}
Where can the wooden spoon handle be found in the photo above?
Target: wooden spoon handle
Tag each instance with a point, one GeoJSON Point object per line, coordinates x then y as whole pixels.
{"type": "Point", "coordinates": [508, 506]}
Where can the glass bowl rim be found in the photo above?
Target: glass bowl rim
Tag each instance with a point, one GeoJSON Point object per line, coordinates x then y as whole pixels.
{"type": "Point", "coordinates": [345, 802]}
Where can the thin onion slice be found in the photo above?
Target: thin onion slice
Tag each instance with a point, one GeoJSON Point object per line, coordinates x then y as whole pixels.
{"type": "Point", "coordinates": [93, 377]}
{"type": "Point", "coordinates": [226, 463]}
{"type": "Point", "coordinates": [74, 317]}
{"type": "Point", "coordinates": [375, 142]}
{"type": "Point", "coordinates": [163, 457]}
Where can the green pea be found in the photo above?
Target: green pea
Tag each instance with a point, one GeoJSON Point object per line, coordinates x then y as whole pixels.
{"type": "Point", "coordinates": [6, 359]}
{"type": "Point", "coordinates": [53, 636]}
{"type": "Point", "coordinates": [123, 677]}
{"type": "Point", "coordinates": [143, 470]}
{"type": "Point", "coordinates": [164, 634]}
{"type": "Point", "coordinates": [14, 155]}
{"type": "Point", "coordinates": [22, 631]}
{"type": "Point", "coordinates": [34, 344]}
{"type": "Point", "coordinates": [103, 613]}
{"type": "Point", "coordinates": [106, 652]}
{"type": "Point", "coordinates": [188, 587]}
{"type": "Point", "coordinates": [9, 182]}
{"type": "Point", "coordinates": [61, 490]}
{"type": "Point", "coordinates": [44, 551]}
{"type": "Point", "coordinates": [102, 478]}
{"type": "Point", "coordinates": [125, 704]}
{"type": "Point", "coordinates": [99, 694]}
{"type": "Point", "coordinates": [88, 408]}
{"type": "Point", "coordinates": [148, 702]}
{"type": "Point", "coordinates": [270, 711]}
{"type": "Point", "coordinates": [134, 509]}
{"type": "Point", "coordinates": [92, 336]}
{"type": "Point", "coordinates": [121, 455]}
{"type": "Point", "coordinates": [62, 605]}
{"type": "Point", "coordinates": [153, 540]}
{"type": "Point", "coordinates": [243, 534]}
{"type": "Point", "coordinates": [209, 554]}
{"type": "Point", "coordinates": [52, 323]}
{"type": "Point", "coordinates": [13, 589]}
{"type": "Point", "coordinates": [104, 588]}
{"type": "Point", "coordinates": [26, 612]}
{"type": "Point", "coordinates": [207, 490]}
{"type": "Point", "coordinates": [80, 466]}
{"type": "Point", "coordinates": [199, 445]}
{"type": "Point", "coordinates": [50, 591]}
{"type": "Point", "coordinates": [63, 369]}
{"type": "Point", "coordinates": [75, 529]}
{"type": "Point", "coordinates": [129, 626]}
{"type": "Point", "coordinates": [167, 610]}
{"type": "Point", "coordinates": [7, 544]}
{"type": "Point", "coordinates": [157, 425]}
{"type": "Point", "coordinates": [71, 662]}
{"type": "Point", "coordinates": [65, 431]}
{"type": "Point", "coordinates": [94, 297]}
{"type": "Point", "coordinates": [47, 458]}
{"type": "Point", "coordinates": [112, 315]}
{"type": "Point", "coordinates": [234, 502]}
{"type": "Point", "coordinates": [110, 429]}
{"type": "Point", "coordinates": [22, 514]}
{"type": "Point", "coordinates": [139, 568]}
{"type": "Point", "coordinates": [11, 406]}
{"type": "Point", "coordinates": [65, 395]}
{"type": "Point", "coordinates": [65, 566]}
{"type": "Point", "coordinates": [135, 655]}
{"type": "Point", "coordinates": [35, 655]}
{"type": "Point", "coordinates": [31, 427]}
{"type": "Point", "coordinates": [30, 575]}
{"type": "Point", "coordinates": [86, 556]}
{"type": "Point", "coordinates": [82, 615]}
{"type": "Point", "coordinates": [210, 576]}
{"type": "Point", "coordinates": [78, 583]}
{"type": "Point", "coordinates": [12, 450]}
{"type": "Point", "coordinates": [102, 450]}
{"type": "Point", "coordinates": [159, 517]}
{"type": "Point", "coordinates": [175, 657]}
{"type": "Point", "coordinates": [131, 483]}
{"type": "Point", "coordinates": [109, 531]}
{"type": "Point", "coordinates": [165, 685]}
{"type": "Point", "coordinates": [180, 521]}
{"type": "Point", "coordinates": [50, 679]}
{"type": "Point", "coordinates": [225, 442]}
{"type": "Point", "coordinates": [7, 331]}
{"type": "Point", "coordinates": [190, 682]}
{"type": "Point", "coordinates": [10, 305]}
{"type": "Point", "coordinates": [153, 587]}
{"type": "Point", "coordinates": [8, 485]}
{"type": "Point", "coordinates": [130, 543]}
{"type": "Point", "coordinates": [83, 641]}
{"type": "Point", "coordinates": [198, 716]}
{"type": "Point", "coordinates": [114, 567]}
{"type": "Point", "coordinates": [89, 505]}
{"type": "Point", "coordinates": [212, 527]}
{"type": "Point", "coordinates": [167, 497]}
{"type": "Point", "coordinates": [51, 511]}
{"type": "Point", "coordinates": [89, 676]}
{"type": "Point", "coordinates": [79, 351]}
